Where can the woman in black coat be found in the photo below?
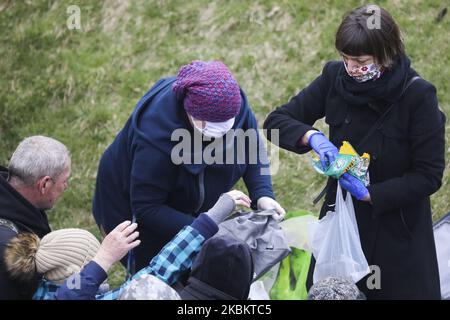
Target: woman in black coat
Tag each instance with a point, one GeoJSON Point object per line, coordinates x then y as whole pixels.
{"type": "Point", "coordinates": [374, 80]}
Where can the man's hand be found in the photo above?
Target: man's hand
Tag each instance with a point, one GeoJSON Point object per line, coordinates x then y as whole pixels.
{"type": "Point", "coordinates": [116, 244]}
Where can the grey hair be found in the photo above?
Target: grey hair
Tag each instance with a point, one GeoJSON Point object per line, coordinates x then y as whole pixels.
{"type": "Point", "coordinates": [36, 157]}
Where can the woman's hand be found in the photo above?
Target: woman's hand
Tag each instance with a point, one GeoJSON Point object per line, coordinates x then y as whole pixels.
{"type": "Point", "coordinates": [227, 204]}
{"type": "Point", "coordinates": [323, 147]}
{"type": "Point", "coordinates": [266, 203]}
{"type": "Point", "coordinates": [240, 198]}
{"type": "Point", "coordinates": [116, 244]}
{"type": "Point", "coordinates": [355, 187]}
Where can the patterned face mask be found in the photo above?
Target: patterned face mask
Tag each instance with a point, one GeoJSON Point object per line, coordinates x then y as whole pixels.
{"type": "Point", "coordinates": [367, 72]}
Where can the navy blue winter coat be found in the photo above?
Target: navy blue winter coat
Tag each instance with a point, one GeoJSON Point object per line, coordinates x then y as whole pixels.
{"type": "Point", "coordinates": [137, 176]}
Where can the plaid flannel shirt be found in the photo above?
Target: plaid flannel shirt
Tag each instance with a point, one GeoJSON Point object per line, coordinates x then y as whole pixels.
{"type": "Point", "coordinates": [175, 258]}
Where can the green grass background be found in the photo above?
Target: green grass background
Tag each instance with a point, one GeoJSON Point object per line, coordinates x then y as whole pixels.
{"type": "Point", "coordinates": [80, 86]}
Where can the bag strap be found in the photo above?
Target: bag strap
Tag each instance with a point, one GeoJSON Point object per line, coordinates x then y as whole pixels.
{"type": "Point", "coordinates": [376, 126]}
{"type": "Point", "coordinates": [9, 225]}
{"type": "Point", "coordinates": [381, 119]}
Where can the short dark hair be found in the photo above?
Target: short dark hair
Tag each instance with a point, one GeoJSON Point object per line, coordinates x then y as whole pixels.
{"type": "Point", "coordinates": [354, 36]}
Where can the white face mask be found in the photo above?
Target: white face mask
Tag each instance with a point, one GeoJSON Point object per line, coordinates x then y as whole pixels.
{"type": "Point", "coordinates": [213, 129]}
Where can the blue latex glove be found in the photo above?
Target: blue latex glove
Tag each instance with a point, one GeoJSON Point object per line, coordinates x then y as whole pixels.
{"type": "Point", "coordinates": [354, 186]}
{"type": "Point", "coordinates": [324, 148]}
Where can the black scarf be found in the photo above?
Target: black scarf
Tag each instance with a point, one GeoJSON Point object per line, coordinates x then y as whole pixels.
{"type": "Point", "coordinates": [19, 211]}
{"type": "Point", "coordinates": [387, 88]}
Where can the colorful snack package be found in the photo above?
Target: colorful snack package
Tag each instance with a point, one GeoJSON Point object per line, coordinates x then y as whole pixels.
{"type": "Point", "coordinates": [349, 161]}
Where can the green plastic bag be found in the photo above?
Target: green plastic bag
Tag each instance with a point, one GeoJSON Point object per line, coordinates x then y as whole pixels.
{"type": "Point", "coordinates": [290, 282]}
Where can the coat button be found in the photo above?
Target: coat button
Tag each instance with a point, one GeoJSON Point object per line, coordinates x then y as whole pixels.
{"type": "Point", "coordinates": [347, 120]}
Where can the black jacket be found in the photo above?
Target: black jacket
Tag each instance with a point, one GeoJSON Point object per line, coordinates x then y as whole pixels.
{"type": "Point", "coordinates": [407, 164]}
{"type": "Point", "coordinates": [26, 218]}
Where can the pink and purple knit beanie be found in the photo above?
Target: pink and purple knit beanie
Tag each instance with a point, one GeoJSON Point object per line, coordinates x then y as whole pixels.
{"type": "Point", "coordinates": [208, 90]}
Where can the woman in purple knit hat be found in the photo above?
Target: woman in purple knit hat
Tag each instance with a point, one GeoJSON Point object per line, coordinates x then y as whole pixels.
{"type": "Point", "coordinates": [144, 174]}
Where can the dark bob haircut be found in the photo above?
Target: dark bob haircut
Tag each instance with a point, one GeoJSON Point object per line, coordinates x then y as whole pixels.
{"type": "Point", "coordinates": [370, 30]}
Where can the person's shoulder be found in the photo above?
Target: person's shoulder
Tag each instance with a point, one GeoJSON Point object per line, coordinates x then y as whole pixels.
{"type": "Point", "coordinates": [158, 88]}
{"type": "Point", "coordinates": [420, 95]}
{"type": "Point", "coordinates": [422, 86]}
{"type": "Point", "coordinates": [331, 70]}
{"type": "Point", "coordinates": [166, 81]}
{"type": "Point", "coordinates": [6, 234]}
{"type": "Point", "coordinates": [419, 86]}
{"type": "Point", "coordinates": [421, 99]}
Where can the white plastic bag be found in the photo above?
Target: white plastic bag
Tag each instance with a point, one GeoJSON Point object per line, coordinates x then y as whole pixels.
{"type": "Point", "coordinates": [335, 243]}
{"type": "Point", "coordinates": [258, 291]}
{"type": "Point", "coordinates": [296, 231]}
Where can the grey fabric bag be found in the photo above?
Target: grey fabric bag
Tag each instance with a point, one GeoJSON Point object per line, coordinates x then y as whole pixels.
{"type": "Point", "coordinates": [263, 235]}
